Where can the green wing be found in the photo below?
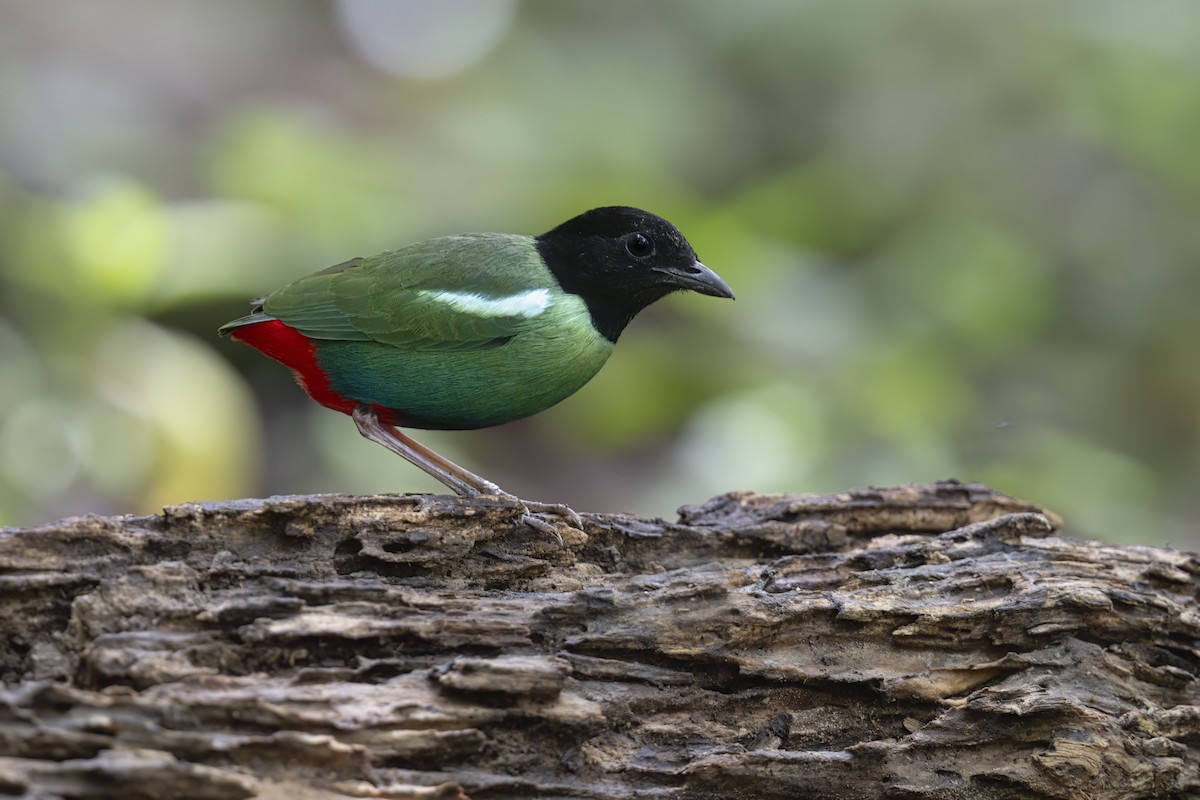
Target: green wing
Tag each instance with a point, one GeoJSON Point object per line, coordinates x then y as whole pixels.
{"type": "Point", "coordinates": [453, 293]}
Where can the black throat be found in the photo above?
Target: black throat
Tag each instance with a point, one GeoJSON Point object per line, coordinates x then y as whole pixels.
{"type": "Point", "coordinates": [611, 305]}
{"type": "Point", "coordinates": [587, 256]}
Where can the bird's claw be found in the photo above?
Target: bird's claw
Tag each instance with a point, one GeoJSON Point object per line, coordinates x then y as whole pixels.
{"type": "Point", "coordinates": [541, 526]}
{"type": "Point", "coordinates": [531, 515]}
{"type": "Point", "coordinates": [558, 510]}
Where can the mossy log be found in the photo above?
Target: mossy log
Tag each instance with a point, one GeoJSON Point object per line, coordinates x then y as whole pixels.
{"type": "Point", "coordinates": [931, 641]}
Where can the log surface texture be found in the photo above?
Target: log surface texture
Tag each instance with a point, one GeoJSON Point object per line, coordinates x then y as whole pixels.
{"type": "Point", "coordinates": [932, 641]}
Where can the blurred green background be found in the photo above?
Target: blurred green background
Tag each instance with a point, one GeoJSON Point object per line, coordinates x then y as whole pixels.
{"type": "Point", "coordinates": [964, 238]}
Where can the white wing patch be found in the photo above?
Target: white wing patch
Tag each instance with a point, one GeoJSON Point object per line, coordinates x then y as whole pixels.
{"type": "Point", "coordinates": [526, 304]}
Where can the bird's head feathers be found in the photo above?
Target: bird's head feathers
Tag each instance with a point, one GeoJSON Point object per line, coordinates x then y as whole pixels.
{"type": "Point", "coordinates": [620, 260]}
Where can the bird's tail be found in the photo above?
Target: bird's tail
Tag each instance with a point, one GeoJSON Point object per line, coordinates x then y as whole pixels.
{"type": "Point", "coordinates": [253, 318]}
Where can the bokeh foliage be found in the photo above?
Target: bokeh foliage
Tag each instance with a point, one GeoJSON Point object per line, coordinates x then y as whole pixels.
{"type": "Point", "coordinates": [964, 237]}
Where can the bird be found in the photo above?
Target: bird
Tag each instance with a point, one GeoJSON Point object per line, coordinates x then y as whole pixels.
{"type": "Point", "coordinates": [472, 330]}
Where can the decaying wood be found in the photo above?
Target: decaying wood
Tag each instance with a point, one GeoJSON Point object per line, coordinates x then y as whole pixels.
{"type": "Point", "coordinates": [918, 642]}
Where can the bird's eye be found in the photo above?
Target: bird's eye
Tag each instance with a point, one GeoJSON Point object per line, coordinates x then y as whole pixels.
{"type": "Point", "coordinates": [639, 245]}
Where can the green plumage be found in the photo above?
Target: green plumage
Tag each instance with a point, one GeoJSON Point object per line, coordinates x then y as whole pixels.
{"type": "Point", "coordinates": [391, 297]}
{"type": "Point", "coordinates": [452, 333]}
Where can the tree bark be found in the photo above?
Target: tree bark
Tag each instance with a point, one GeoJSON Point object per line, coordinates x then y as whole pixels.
{"type": "Point", "coordinates": [935, 641]}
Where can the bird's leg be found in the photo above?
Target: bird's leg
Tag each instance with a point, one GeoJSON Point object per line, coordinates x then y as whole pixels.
{"type": "Point", "coordinates": [461, 481]}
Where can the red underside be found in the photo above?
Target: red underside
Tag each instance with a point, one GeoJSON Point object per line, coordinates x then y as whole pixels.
{"type": "Point", "coordinates": [296, 352]}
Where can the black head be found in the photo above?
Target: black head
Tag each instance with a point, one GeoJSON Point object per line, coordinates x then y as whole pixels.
{"type": "Point", "coordinates": [620, 260]}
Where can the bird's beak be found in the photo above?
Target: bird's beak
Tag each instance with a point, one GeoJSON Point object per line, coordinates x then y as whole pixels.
{"type": "Point", "coordinates": [699, 278]}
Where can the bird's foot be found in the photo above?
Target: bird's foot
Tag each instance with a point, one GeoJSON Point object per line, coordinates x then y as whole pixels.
{"type": "Point", "coordinates": [532, 514]}
{"type": "Point", "coordinates": [542, 526]}
{"type": "Point", "coordinates": [557, 509]}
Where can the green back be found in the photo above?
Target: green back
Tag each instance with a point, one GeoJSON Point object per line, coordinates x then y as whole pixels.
{"type": "Point", "coordinates": [397, 297]}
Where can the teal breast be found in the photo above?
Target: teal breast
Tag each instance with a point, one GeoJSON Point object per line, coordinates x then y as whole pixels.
{"type": "Point", "coordinates": [475, 388]}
